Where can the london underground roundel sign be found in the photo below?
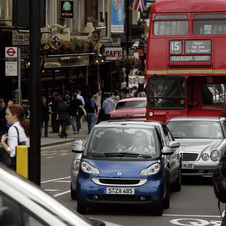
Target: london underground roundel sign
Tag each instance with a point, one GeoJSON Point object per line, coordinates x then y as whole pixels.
{"type": "Point", "coordinates": [11, 52]}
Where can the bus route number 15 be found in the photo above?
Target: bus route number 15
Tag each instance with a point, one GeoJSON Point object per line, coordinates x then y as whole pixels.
{"type": "Point", "coordinates": [175, 47]}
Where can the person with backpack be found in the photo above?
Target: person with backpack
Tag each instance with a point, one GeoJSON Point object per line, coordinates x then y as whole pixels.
{"type": "Point", "coordinates": [219, 184]}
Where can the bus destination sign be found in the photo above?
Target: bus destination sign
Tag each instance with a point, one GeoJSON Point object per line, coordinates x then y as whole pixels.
{"type": "Point", "coordinates": [198, 46]}
{"type": "Point", "coordinates": [192, 58]}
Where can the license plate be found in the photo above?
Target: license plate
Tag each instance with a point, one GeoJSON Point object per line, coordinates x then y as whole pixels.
{"type": "Point", "coordinates": [119, 191]}
{"type": "Point", "coordinates": [187, 165]}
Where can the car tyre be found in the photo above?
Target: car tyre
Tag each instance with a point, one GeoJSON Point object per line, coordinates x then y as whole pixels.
{"type": "Point", "coordinates": [73, 193]}
{"type": "Point", "coordinates": [177, 184]}
{"type": "Point", "coordinates": [158, 211]}
{"type": "Point", "coordinates": [166, 202]}
{"type": "Point", "coordinates": [81, 208]}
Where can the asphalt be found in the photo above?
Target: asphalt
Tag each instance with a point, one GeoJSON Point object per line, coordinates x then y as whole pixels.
{"type": "Point", "coordinates": [53, 138]}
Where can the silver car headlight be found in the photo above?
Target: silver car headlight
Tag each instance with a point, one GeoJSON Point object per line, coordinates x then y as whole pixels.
{"type": "Point", "coordinates": [76, 164]}
{"type": "Point", "coordinates": [215, 155]}
{"type": "Point", "coordinates": [153, 169]}
{"type": "Point", "coordinates": [205, 157]}
{"type": "Point", "coordinates": [87, 168]}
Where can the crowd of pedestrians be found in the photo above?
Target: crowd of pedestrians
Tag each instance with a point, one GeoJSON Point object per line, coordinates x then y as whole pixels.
{"type": "Point", "coordinates": [64, 111]}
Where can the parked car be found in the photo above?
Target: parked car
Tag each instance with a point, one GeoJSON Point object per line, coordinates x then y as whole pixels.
{"type": "Point", "coordinates": [127, 108]}
{"type": "Point", "coordinates": [110, 168]}
{"type": "Point", "coordinates": [23, 203]}
{"type": "Point", "coordinates": [203, 142]}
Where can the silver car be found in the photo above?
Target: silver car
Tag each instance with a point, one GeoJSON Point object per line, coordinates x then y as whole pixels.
{"type": "Point", "coordinates": [24, 203]}
{"type": "Point", "coordinates": [202, 143]}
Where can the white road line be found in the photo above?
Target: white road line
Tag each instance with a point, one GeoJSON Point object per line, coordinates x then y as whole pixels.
{"type": "Point", "coordinates": [63, 181]}
{"type": "Point", "coordinates": [63, 193]}
{"type": "Point", "coordinates": [183, 215]}
{"type": "Point", "coordinates": [62, 178]}
{"type": "Point", "coordinates": [50, 189]}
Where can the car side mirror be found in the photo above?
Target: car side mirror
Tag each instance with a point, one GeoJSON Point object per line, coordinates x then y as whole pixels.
{"type": "Point", "coordinates": [167, 151]}
{"type": "Point", "coordinates": [77, 146]}
{"type": "Point", "coordinates": [174, 144]}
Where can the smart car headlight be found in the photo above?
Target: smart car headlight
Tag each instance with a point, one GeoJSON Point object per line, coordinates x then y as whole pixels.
{"type": "Point", "coordinates": [153, 169]}
{"type": "Point", "coordinates": [215, 155]}
{"type": "Point", "coordinates": [88, 168]}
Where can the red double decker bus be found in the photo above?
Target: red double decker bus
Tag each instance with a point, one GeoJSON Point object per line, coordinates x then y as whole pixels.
{"type": "Point", "coordinates": [186, 59]}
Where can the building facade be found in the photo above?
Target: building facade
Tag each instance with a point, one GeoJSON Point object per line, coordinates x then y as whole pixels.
{"type": "Point", "coordinates": [64, 71]}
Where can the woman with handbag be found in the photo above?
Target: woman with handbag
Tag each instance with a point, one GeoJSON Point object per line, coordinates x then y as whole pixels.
{"type": "Point", "coordinates": [18, 133]}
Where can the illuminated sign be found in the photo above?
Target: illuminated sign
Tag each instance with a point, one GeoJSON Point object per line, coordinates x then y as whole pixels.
{"type": "Point", "coordinates": [66, 9]}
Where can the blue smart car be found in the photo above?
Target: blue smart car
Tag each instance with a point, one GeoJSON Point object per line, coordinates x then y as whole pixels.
{"type": "Point", "coordinates": [127, 162]}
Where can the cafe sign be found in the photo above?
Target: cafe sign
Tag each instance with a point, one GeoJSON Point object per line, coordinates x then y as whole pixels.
{"type": "Point", "coordinates": [113, 53]}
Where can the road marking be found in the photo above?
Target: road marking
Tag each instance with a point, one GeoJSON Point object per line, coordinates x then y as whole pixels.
{"type": "Point", "coordinates": [64, 181]}
{"type": "Point", "coordinates": [183, 215]}
{"type": "Point", "coordinates": [50, 189]}
{"type": "Point", "coordinates": [62, 178]}
{"type": "Point", "coordinates": [63, 193]}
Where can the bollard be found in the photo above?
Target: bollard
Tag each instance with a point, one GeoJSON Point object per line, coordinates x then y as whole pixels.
{"type": "Point", "coordinates": [22, 160]}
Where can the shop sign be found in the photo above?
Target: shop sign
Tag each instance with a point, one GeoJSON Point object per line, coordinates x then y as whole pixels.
{"type": "Point", "coordinates": [66, 9]}
{"type": "Point", "coordinates": [140, 51]}
{"type": "Point", "coordinates": [113, 53]}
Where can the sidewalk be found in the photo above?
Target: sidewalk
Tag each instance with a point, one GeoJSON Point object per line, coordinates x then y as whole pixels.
{"type": "Point", "coordinates": [53, 138]}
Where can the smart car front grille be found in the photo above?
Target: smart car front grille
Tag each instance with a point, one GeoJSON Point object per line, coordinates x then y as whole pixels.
{"type": "Point", "coordinates": [119, 181]}
{"type": "Point", "coordinates": [113, 181]}
{"type": "Point", "coordinates": [189, 156]}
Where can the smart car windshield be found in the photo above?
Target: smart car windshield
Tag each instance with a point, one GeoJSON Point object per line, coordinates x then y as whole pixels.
{"type": "Point", "coordinates": [123, 142]}
{"type": "Point", "coordinates": [196, 129]}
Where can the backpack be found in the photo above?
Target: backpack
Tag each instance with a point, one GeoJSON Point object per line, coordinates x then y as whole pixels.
{"type": "Point", "coordinates": [219, 181]}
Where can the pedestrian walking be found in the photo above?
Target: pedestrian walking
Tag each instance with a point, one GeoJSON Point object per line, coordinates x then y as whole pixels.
{"type": "Point", "coordinates": [74, 104]}
{"type": "Point", "coordinates": [108, 105]}
{"type": "Point", "coordinates": [44, 116]}
{"type": "Point", "coordinates": [80, 97]}
{"type": "Point", "coordinates": [91, 108]}
{"type": "Point", "coordinates": [54, 121]}
{"type": "Point", "coordinates": [63, 115]}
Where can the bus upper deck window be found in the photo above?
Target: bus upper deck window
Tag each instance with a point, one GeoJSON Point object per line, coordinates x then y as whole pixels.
{"type": "Point", "coordinates": [170, 25]}
{"type": "Point", "coordinates": [209, 24]}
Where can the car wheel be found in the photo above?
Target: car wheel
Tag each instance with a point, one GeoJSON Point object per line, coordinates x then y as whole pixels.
{"type": "Point", "coordinates": [158, 211]}
{"type": "Point", "coordinates": [73, 193]}
{"type": "Point", "coordinates": [81, 208]}
{"type": "Point", "coordinates": [177, 184]}
{"type": "Point", "coordinates": [166, 202]}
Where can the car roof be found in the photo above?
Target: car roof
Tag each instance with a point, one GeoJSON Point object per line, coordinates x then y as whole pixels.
{"type": "Point", "coordinates": [197, 118]}
{"type": "Point", "coordinates": [133, 99]}
{"type": "Point", "coordinates": [133, 123]}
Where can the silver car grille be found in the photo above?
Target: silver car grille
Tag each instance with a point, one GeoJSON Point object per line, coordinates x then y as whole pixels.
{"type": "Point", "coordinates": [119, 181]}
{"type": "Point", "coordinates": [189, 156]}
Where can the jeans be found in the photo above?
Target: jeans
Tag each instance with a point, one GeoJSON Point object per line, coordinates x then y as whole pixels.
{"type": "Point", "coordinates": [46, 127]}
{"type": "Point", "coordinates": [91, 119]}
{"type": "Point", "coordinates": [74, 123]}
{"type": "Point", "coordinates": [78, 122]}
{"type": "Point", "coordinates": [223, 223]}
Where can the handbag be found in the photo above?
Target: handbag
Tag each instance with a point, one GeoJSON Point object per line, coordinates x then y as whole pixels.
{"type": "Point", "coordinates": [5, 157]}
{"type": "Point", "coordinates": [81, 111]}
